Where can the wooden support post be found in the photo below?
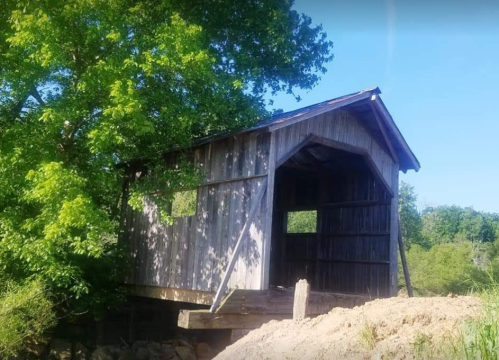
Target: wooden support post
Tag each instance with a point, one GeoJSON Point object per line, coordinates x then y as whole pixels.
{"type": "Point", "coordinates": [300, 305]}
{"type": "Point", "coordinates": [237, 249]}
{"type": "Point", "coordinates": [404, 264]}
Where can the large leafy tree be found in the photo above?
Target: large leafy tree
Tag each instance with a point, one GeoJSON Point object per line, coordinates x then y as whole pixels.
{"type": "Point", "coordinates": [445, 224]}
{"type": "Point", "coordinates": [410, 219]}
{"type": "Point", "coordinates": [88, 84]}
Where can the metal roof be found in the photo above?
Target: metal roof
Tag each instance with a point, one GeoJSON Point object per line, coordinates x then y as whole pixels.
{"type": "Point", "coordinates": [365, 104]}
{"type": "Point", "coordinates": [290, 115]}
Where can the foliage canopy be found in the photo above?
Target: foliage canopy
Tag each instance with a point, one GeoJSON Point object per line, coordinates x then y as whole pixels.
{"type": "Point", "coordinates": [88, 84]}
{"type": "Point", "coordinates": [450, 248]}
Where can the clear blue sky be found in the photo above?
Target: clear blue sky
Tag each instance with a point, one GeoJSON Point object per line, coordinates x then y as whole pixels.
{"type": "Point", "coordinates": [437, 65]}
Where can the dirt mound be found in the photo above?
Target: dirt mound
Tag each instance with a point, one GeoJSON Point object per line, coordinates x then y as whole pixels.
{"type": "Point", "coordinates": [386, 328]}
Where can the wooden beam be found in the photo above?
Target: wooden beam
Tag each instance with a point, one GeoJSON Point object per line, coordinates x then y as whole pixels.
{"type": "Point", "coordinates": [377, 173]}
{"type": "Point", "coordinates": [301, 167]}
{"type": "Point", "coordinates": [164, 293]}
{"type": "Point", "coordinates": [404, 264]}
{"type": "Point", "coordinates": [294, 150]}
{"type": "Point", "coordinates": [338, 145]}
{"type": "Point", "coordinates": [359, 151]}
{"type": "Point", "coordinates": [343, 147]}
{"type": "Point", "coordinates": [374, 135]}
{"type": "Point", "coordinates": [340, 204]}
{"type": "Point", "coordinates": [345, 261]}
{"type": "Point", "coordinates": [208, 183]}
{"type": "Point", "coordinates": [269, 200]}
{"type": "Point", "coordinates": [343, 234]}
{"type": "Point", "coordinates": [237, 248]}
{"type": "Point", "coordinates": [300, 303]}
{"type": "Point", "coordinates": [204, 319]}
{"type": "Point", "coordinates": [378, 103]}
{"type": "Point", "coordinates": [358, 203]}
{"type": "Point", "coordinates": [394, 230]}
{"type": "Point", "coordinates": [280, 301]}
{"type": "Point", "coordinates": [384, 132]}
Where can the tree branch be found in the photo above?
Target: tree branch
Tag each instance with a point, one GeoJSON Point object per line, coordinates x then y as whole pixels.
{"type": "Point", "coordinates": [34, 92]}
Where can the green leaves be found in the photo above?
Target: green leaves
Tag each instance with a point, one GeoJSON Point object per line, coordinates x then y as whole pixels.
{"type": "Point", "coordinates": [86, 85]}
{"type": "Point", "coordinates": [410, 219]}
{"type": "Point", "coordinates": [26, 313]}
{"type": "Point", "coordinates": [450, 249]}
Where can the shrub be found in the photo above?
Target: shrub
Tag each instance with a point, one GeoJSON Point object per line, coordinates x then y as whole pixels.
{"type": "Point", "coordinates": [444, 268]}
{"type": "Point", "coordinates": [26, 312]}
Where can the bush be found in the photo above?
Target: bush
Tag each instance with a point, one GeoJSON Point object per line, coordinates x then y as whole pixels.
{"type": "Point", "coordinates": [444, 268]}
{"type": "Point", "coordinates": [26, 312]}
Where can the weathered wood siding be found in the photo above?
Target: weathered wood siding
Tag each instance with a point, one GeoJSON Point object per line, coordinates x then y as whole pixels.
{"type": "Point", "coordinates": [194, 251]}
{"type": "Point", "coordinates": [339, 126]}
{"type": "Point", "coordinates": [355, 249]}
{"type": "Point", "coordinates": [350, 252]}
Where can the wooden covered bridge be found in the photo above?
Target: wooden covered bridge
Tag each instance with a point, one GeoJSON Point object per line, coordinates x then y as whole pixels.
{"type": "Point", "coordinates": [309, 194]}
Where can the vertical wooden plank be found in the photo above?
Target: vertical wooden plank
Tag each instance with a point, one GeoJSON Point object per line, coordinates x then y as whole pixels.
{"type": "Point", "coordinates": [222, 288]}
{"type": "Point", "coordinates": [174, 257]}
{"type": "Point", "coordinates": [184, 253]}
{"type": "Point", "coordinates": [244, 206]}
{"type": "Point", "coordinates": [193, 226]}
{"type": "Point", "coordinates": [300, 303]}
{"type": "Point", "coordinates": [205, 258]}
{"type": "Point", "coordinates": [232, 228]}
{"type": "Point", "coordinates": [212, 231]}
{"type": "Point", "coordinates": [255, 241]}
{"type": "Point", "coordinates": [267, 234]}
{"type": "Point", "coordinates": [394, 228]}
{"type": "Point", "coordinates": [224, 249]}
{"type": "Point", "coordinates": [200, 237]}
{"type": "Point", "coordinates": [220, 235]}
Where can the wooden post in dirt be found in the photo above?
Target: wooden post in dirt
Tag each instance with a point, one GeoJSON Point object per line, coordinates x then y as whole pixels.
{"type": "Point", "coordinates": [300, 304]}
{"type": "Point", "coordinates": [404, 264]}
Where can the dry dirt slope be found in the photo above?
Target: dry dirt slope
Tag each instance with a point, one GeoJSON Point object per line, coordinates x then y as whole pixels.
{"type": "Point", "coordinates": [387, 328]}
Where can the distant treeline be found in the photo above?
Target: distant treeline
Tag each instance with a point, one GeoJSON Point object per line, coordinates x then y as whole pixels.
{"type": "Point", "coordinates": [449, 248]}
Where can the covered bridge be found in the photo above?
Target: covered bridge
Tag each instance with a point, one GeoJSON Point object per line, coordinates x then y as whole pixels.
{"type": "Point", "coordinates": [308, 194]}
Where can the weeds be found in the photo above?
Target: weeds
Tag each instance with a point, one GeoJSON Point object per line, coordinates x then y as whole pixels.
{"type": "Point", "coordinates": [479, 338]}
{"type": "Point", "coordinates": [423, 346]}
{"type": "Point", "coordinates": [368, 335]}
{"type": "Point", "coordinates": [26, 312]}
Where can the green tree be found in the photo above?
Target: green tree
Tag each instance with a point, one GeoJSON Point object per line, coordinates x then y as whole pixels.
{"type": "Point", "coordinates": [444, 268]}
{"type": "Point", "coordinates": [88, 84]}
{"type": "Point", "coordinates": [445, 224]}
{"type": "Point", "coordinates": [302, 222]}
{"type": "Point", "coordinates": [410, 219]}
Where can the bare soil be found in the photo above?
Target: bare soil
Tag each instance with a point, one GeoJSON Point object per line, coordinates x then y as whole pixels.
{"type": "Point", "coordinates": [395, 328]}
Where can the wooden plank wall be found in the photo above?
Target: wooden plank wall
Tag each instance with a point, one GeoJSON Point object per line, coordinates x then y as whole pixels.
{"type": "Point", "coordinates": [350, 252]}
{"type": "Point", "coordinates": [339, 126]}
{"type": "Point", "coordinates": [193, 252]}
{"type": "Point", "coordinates": [342, 126]}
{"type": "Point", "coordinates": [353, 249]}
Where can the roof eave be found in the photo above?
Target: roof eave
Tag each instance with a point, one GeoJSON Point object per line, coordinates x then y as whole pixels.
{"type": "Point", "coordinates": [414, 162]}
{"type": "Point", "coordinates": [342, 103]}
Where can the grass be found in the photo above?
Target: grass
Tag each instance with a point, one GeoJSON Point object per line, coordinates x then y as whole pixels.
{"type": "Point", "coordinates": [479, 338]}
{"type": "Point", "coordinates": [423, 346]}
{"type": "Point", "coordinates": [368, 335]}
